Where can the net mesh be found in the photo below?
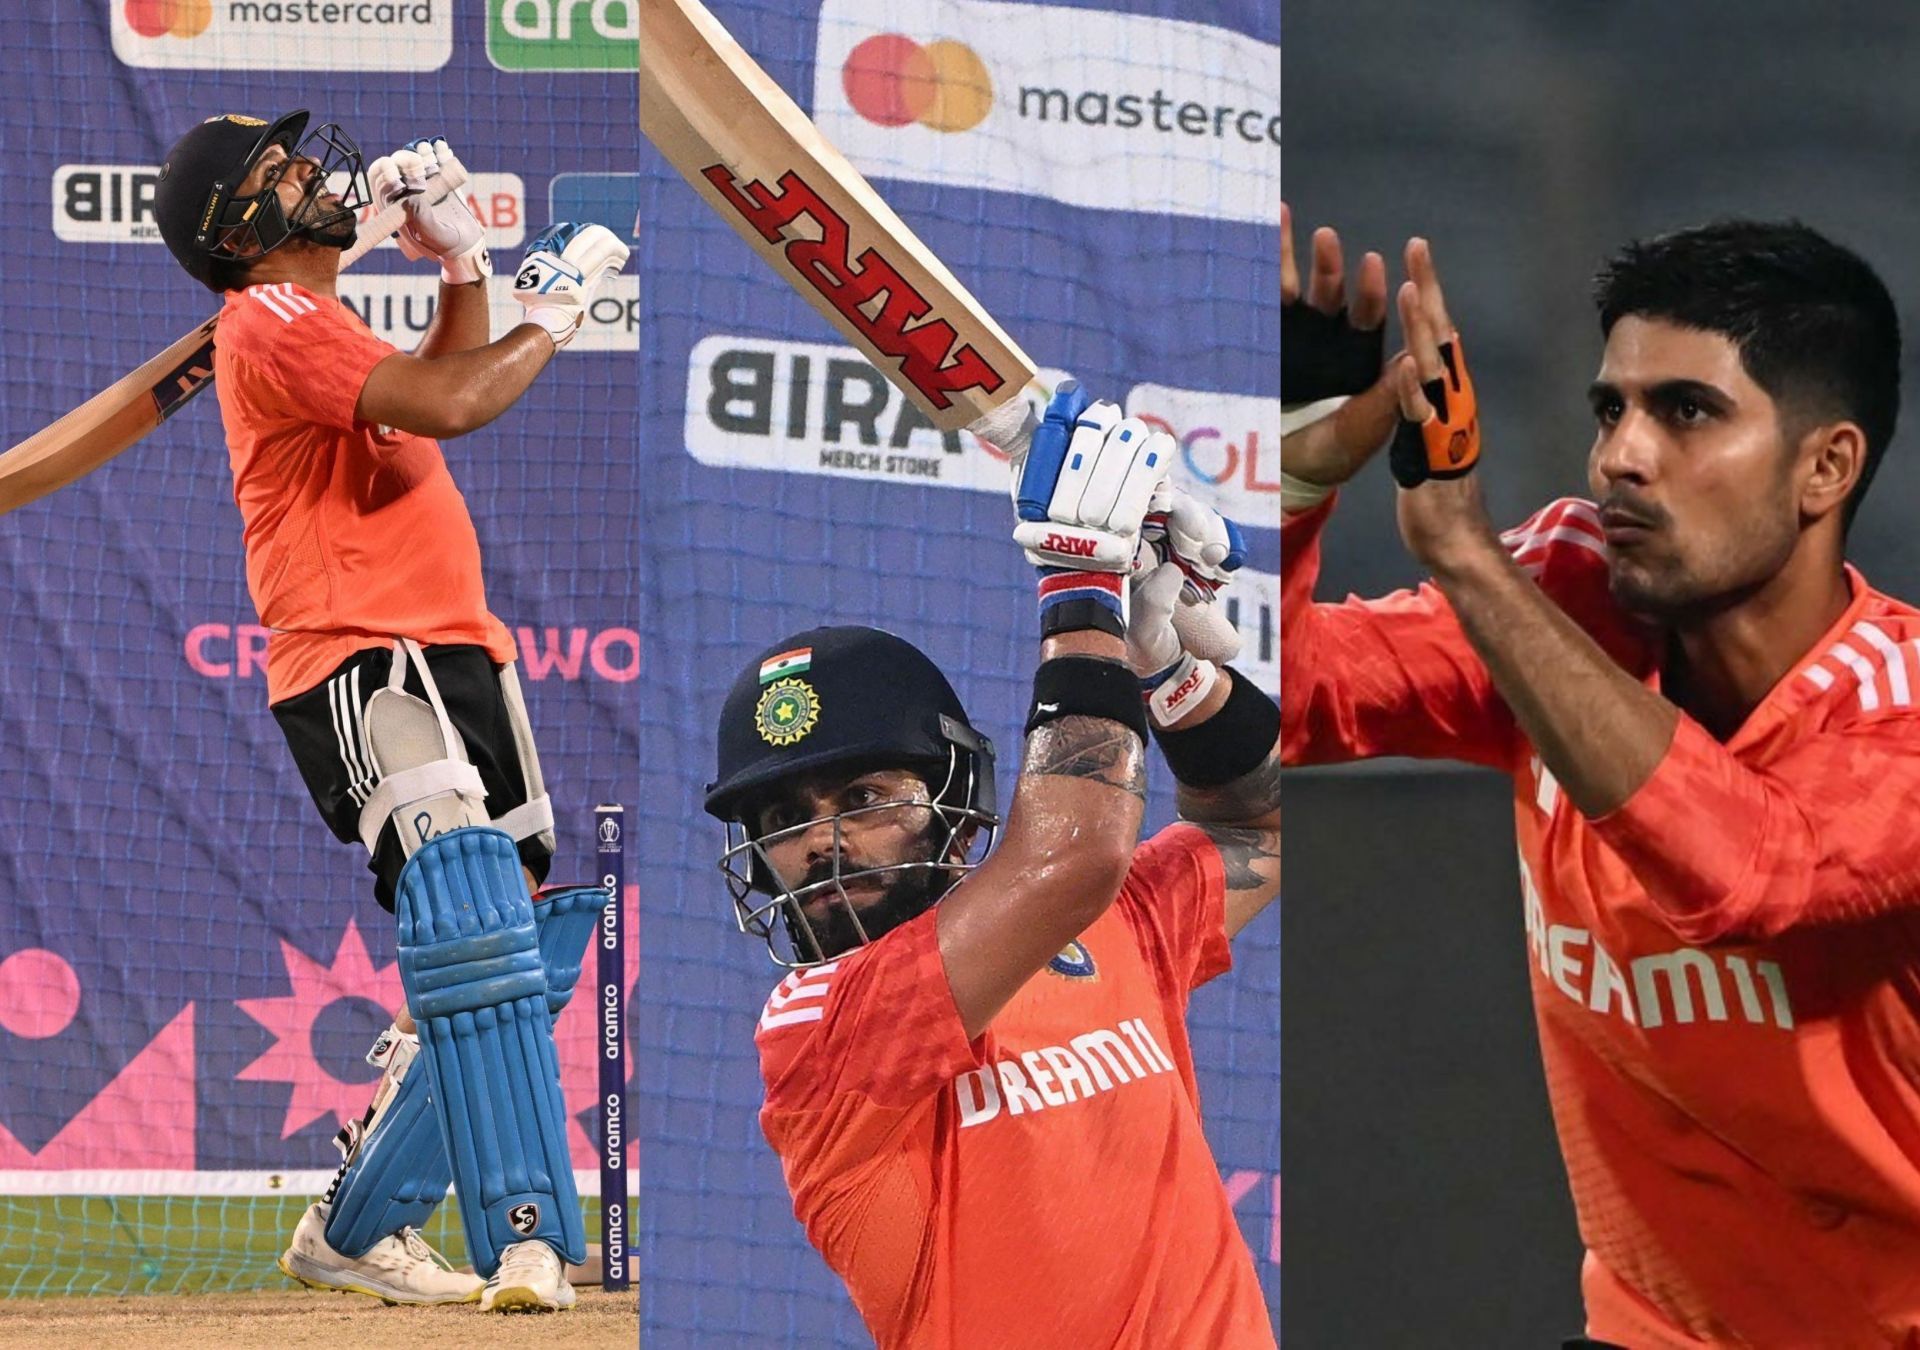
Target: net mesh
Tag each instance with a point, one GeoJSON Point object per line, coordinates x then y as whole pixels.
{"type": "Point", "coordinates": [191, 967]}
{"type": "Point", "coordinates": [1114, 242]}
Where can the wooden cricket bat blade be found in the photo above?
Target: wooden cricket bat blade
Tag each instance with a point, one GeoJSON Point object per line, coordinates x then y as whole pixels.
{"type": "Point", "coordinates": [107, 423]}
{"type": "Point", "coordinates": [748, 149]}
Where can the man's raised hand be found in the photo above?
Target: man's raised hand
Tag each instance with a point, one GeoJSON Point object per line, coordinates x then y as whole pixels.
{"type": "Point", "coordinates": [1082, 497]}
{"type": "Point", "coordinates": [565, 265]}
{"type": "Point", "coordinates": [1338, 394]}
{"type": "Point", "coordinates": [447, 230]}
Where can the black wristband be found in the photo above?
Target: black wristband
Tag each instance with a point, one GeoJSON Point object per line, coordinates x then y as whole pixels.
{"type": "Point", "coordinates": [1087, 686]}
{"type": "Point", "coordinates": [1077, 616]}
{"type": "Point", "coordinates": [1233, 742]}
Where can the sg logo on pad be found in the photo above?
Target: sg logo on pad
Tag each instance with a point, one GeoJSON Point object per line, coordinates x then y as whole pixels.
{"type": "Point", "coordinates": [524, 1218]}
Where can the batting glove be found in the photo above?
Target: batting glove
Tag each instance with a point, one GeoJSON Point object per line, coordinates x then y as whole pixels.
{"type": "Point", "coordinates": [566, 263]}
{"type": "Point", "coordinates": [1082, 497]}
{"type": "Point", "coordinates": [446, 230]}
{"type": "Point", "coordinates": [1179, 630]}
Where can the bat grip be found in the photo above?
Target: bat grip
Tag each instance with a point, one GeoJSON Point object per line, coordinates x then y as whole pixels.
{"type": "Point", "coordinates": [1009, 427]}
{"type": "Point", "coordinates": [379, 228]}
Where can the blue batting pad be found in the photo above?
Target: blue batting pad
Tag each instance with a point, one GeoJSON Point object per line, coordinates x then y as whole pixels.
{"type": "Point", "coordinates": [475, 983]}
{"type": "Point", "coordinates": [567, 920]}
{"type": "Point", "coordinates": [400, 1172]}
{"type": "Point", "coordinates": [398, 1175]}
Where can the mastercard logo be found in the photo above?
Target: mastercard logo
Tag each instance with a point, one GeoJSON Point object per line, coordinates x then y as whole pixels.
{"type": "Point", "coordinates": [169, 18]}
{"type": "Point", "coordinates": [893, 80]}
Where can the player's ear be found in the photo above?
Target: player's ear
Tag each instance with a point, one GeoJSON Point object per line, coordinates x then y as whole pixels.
{"type": "Point", "coordinates": [1836, 455]}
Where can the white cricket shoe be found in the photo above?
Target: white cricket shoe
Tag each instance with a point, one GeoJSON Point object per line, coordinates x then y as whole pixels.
{"type": "Point", "coordinates": [397, 1269]}
{"type": "Point", "coordinates": [531, 1278]}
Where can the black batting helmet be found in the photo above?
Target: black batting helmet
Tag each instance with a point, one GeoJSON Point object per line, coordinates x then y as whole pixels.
{"type": "Point", "coordinates": [840, 698]}
{"type": "Point", "coordinates": [204, 220]}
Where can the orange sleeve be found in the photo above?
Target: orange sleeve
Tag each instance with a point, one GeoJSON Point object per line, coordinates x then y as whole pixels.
{"type": "Point", "coordinates": [309, 356]}
{"type": "Point", "coordinates": [879, 1024]}
{"type": "Point", "coordinates": [1823, 835]}
{"type": "Point", "coordinates": [1396, 675]}
{"type": "Point", "coordinates": [1175, 898]}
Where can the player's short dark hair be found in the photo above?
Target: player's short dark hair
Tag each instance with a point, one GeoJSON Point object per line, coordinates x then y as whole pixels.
{"type": "Point", "coordinates": [1814, 323]}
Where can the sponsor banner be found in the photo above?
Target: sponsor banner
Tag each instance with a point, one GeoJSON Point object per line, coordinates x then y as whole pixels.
{"type": "Point", "coordinates": [283, 35]}
{"type": "Point", "coordinates": [564, 34]}
{"type": "Point", "coordinates": [819, 408]}
{"type": "Point", "coordinates": [399, 307]}
{"type": "Point", "coordinates": [113, 204]}
{"type": "Point", "coordinates": [610, 199]}
{"type": "Point", "coordinates": [1252, 602]}
{"type": "Point", "coordinates": [1229, 447]}
{"type": "Point", "coordinates": [1151, 114]}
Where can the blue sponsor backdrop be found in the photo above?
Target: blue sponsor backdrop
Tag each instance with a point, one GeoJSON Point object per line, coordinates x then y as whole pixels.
{"type": "Point", "coordinates": [160, 862]}
{"type": "Point", "coordinates": [735, 558]}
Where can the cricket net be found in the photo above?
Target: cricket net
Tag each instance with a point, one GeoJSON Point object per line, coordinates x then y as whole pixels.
{"type": "Point", "coordinates": [191, 967]}
{"type": "Point", "coordinates": [1105, 179]}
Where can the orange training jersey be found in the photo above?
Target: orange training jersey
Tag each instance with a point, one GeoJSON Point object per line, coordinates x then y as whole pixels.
{"type": "Point", "coordinates": [1725, 970]}
{"type": "Point", "coordinates": [1047, 1185]}
{"type": "Point", "coordinates": [355, 534]}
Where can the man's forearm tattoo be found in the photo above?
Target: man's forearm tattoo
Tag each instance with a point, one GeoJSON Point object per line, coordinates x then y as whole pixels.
{"type": "Point", "coordinates": [1088, 747]}
{"type": "Point", "coordinates": [1242, 849]}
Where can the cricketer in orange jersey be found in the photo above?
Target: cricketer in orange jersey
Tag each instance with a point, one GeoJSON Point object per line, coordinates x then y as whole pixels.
{"type": "Point", "coordinates": [324, 495]}
{"type": "Point", "coordinates": [959, 1185]}
{"type": "Point", "coordinates": [1712, 723]}
{"type": "Point", "coordinates": [392, 682]}
{"type": "Point", "coordinates": [978, 1075]}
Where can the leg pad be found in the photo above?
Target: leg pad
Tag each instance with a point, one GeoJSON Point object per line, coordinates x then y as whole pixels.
{"type": "Point", "coordinates": [471, 965]}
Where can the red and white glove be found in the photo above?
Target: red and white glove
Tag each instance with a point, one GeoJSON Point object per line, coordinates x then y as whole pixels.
{"type": "Point", "coordinates": [1179, 630]}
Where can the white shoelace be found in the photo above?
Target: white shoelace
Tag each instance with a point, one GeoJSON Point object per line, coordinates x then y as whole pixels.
{"type": "Point", "coordinates": [417, 1247]}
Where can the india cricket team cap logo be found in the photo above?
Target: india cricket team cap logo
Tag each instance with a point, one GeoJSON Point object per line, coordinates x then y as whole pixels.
{"type": "Point", "coordinates": [788, 709]}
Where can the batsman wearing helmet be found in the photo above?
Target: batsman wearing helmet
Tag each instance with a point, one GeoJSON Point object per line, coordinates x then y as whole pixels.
{"type": "Point", "coordinates": [978, 1075]}
{"type": "Point", "coordinates": [394, 683]}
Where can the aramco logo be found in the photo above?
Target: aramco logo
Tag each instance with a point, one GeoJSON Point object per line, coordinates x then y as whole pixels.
{"type": "Point", "coordinates": [892, 80]}
{"type": "Point", "coordinates": [169, 18]}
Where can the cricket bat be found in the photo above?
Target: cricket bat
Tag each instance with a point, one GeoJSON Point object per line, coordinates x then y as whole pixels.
{"type": "Point", "coordinates": [759, 161]}
{"type": "Point", "coordinates": [126, 410]}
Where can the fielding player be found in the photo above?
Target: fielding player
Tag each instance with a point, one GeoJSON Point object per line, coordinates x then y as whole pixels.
{"type": "Point", "coordinates": [394, 683]}
{"type": "Point", "coordinates": [1711, 723]}
{"type": "Point", "coordinates": [978, 1077]}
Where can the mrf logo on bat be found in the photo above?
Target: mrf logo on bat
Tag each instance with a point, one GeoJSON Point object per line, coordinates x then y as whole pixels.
{"type": "Point", "coordinates": [928, 360]}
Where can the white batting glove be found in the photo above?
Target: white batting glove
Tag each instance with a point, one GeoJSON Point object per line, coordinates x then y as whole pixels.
{"type": "Point", "coordinates": [1179, 630]}
{"type": "Point", "coordinates": [1208, 549]}
{"type": "Point", "coordinates": [446, 231]}
{"type": "Point", "coordinates": [1086, 483]}
{"type": "Point", "coordinates": [565, 264]}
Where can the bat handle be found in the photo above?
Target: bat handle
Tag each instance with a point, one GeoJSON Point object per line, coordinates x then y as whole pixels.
{"type": "Point", "coordinates": [377, 229]}
{"type": "Point", "coordinates": [1009, 427]}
